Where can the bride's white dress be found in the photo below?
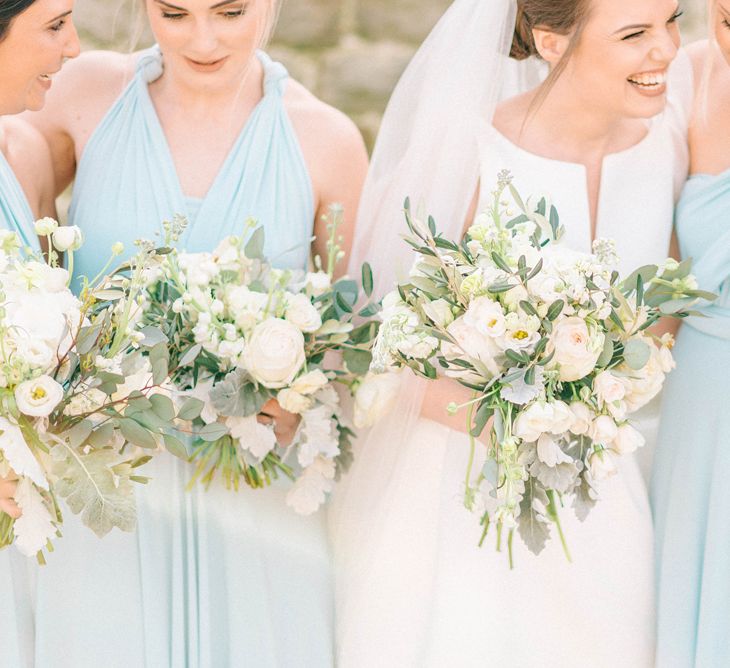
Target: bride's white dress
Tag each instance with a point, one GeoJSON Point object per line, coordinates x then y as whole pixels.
{"type": "Point", "coordinates": [427, 594]}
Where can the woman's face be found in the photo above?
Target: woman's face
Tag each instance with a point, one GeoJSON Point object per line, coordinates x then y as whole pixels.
{"type": "Point", "coordinates": [34, 48]}
{"type": "Point", "coordinates": [722, 27]}
{"type": "Point", "coordinates": [621, 61]}
{"type": "Point", "coordinates": [208, 42]}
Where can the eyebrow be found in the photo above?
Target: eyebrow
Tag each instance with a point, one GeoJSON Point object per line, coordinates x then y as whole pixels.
{"type": "Point", "coordinates": [60, 16]}
{"type": "Point", "coordinates": [643, 26]}
{"type": "Point", "coordinates": [182, 9]}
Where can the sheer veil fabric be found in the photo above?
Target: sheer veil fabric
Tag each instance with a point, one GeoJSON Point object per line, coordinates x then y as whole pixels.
{"type": "Point", "coordinates": [428, 150]}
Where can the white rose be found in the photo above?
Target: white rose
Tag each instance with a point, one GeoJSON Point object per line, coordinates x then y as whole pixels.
{"type": "Point", "coordinates": [603, 430]}
{"type": "Point", "coordinates": [318, 283]}
{"type": "Point", "coordinates": [275, 353]}
{"type": "Point", "coordinates": [602, 465]}
{"type": "Point", "coordinates": [38, 397]}
{"type": "Point", "coordinates": [582, 418]}
{"type": "Point", "coordinates": [311, 382]}
{"type": "Point", "coordinates": [68, 237]}
{"type": "Point", "coordinates": [576, 352]}
{"type": "Point", "coordinates": [608, 388]}
{"type": "Point", "coordinates": [375, 397]}
{"type": "Point", "coordinates": [293, 402]}
{"type": "Point", "coordinates": [440, 312]}
{"type": "Point", "coordinates": [486, 316]}
{"type": "Point", "coordinates": [627, 440]}
{"type": "Point", "coordinates": [301, 313]}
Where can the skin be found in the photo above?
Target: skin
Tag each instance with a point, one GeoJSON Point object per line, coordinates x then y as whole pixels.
{"type": "Point", "coordinates": [47, 26]}
{"type": "Point", "coordinates": [203, 112]}
{"type": "Point", "coordinates": [593, 108]}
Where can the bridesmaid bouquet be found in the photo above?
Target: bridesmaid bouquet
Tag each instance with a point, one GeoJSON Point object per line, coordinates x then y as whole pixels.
{"type": "Point", "coordinates": [78, 397]}
{"type": "Point", "coordinates": [243, 333]}
{"type": "Point", "coordinates": [554, 346]}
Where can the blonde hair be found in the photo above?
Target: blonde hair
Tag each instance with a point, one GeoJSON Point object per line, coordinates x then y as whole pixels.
{"type": "Point", "coordinates": [709, 65]}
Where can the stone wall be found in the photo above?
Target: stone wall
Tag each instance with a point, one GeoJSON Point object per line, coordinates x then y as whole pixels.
{"type": "Point", "coordinates": [348, 52]}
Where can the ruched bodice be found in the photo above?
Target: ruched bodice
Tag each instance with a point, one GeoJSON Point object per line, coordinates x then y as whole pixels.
{"type": "Point", "coordinates": [15, 213]}
{"type": "Point", "coordinates": [703, 228]}
{"type": "Point", "coordinates": [127, 184]}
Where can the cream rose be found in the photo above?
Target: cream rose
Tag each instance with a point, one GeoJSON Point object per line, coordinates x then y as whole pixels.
{"type": "Point", "coordinates": [627, 440]}
{"type": "Point", "coordinates": [582, 418]}
{"type": "Point", "coordinates": [576, 351]}
{"type": "Point", "coordinates": [375, 397]}
{"type": "Point", "coordinates": [275, 353]}
{"type": "Point", "coordinates": [603, 430]}
{"type": "Point", "coordinates": [301, 313]}
{"type": "Point", "coordinates": [38, 397]}
{"type": "Point", "coordinates": [608, 388]}
{"type": "Point", "coordinates": [602, 465]}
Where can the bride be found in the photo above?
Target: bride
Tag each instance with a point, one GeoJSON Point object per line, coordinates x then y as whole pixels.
{"type": "Point", "coordinates": [601, 135]}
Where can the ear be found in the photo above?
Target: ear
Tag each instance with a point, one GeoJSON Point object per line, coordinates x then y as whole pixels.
{"type": "Point", "coordinates": [550, 45]}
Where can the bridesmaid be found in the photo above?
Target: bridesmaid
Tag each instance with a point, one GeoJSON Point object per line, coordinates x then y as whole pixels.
{"type": "Point", "coordinates": [26, 193]}
{"type": "Point", "coordinates": [690, 492]}
{"type": "Point", "coordinates": [204, 125]}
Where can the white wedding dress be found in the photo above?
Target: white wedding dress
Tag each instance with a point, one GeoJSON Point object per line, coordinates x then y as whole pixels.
{"type": "Point", "coordinates": [427, 595]}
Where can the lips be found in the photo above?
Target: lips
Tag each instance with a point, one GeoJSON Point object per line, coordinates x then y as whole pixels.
{"type": "Point", "coordinates": [209, 65]}
{"type": "Point", "coordinates": [649, 80]}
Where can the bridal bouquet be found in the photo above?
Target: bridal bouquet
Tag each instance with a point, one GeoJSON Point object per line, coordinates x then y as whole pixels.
{"type": "Point", "coordinates": [243, 333]}
{"type": "Point", "coordinates": [78, 397]}
{"type": "Point", "coordinates": [554, 346]}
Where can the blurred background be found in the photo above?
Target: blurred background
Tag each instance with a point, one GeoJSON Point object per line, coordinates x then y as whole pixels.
{"type": "Point", "coordinates": [350, 53]}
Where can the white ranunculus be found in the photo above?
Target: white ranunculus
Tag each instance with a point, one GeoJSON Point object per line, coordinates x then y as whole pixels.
{"type": "Point", "coordinates": [301, 313]}
{"type": "Point", "coordinates": [318, 283]}
{"type": "Point", "coordinates": [627, 440]}
{"type": "Point", "coordinates": [293, 402]}
{"type": "Point", "coordinates": [68, 237]}
{"type": "Point", "coordinates": [34, 528]}
{"type": "Point", "coordinates": [275, 353]}
{"type": "Point", "coordinates": [542, 418]}
{"type": "Point", "coordinates": [310, 491]}
{"type": "Point", "coordinates": [45, 226]}
{"type": "Point", "coordinates": [38, 397]}
{"type": "Point", "coordinates": [603, 430]}
{"type": "Point", "coordinates": [582, 418]}
{"type": "Point", "coordinates": [602, 465]}
{"type": "Point", "coordinates": [375, 397]}
{"type": "Point", "coordinates": [311, 382]}
{"type": "Point", "coordinates": [17, 453]}
{"type": "Point", "coordinates": [608, 388]}
{"type": "Point", "coordinates": [576, 351]}
{"type": "Point", "coordinates": [486, 316]}
{"type": "Point", "coordinates": [439, 311]}
{"type": "Point", "coordinates": [257, 438]}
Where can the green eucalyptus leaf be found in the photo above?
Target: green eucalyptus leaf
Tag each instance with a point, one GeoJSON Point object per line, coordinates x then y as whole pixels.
{"type": "Point", "coordinates": [606, 355]}
{"type": "Point", "coordinates": [152, 336]}
{"type": "Point", "coordinates": [175, 446]}
{"type": "Point", "coordinates": [163, 407]}
{"type": "Point", "coordinates": [357, 361]}
{"type": "Point", "coordinates": [136, 434]}
{"type": "Point", "coordinates": [636, 354]}
{"type": "Point", "coordinates": [191, 409]}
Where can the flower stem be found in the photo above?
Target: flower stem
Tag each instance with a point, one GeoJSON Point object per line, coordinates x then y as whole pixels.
{"type": "Point", "coordinates": [553, 514]}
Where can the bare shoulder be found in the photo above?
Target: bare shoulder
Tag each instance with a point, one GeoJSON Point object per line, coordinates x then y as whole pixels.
{"type": "Point", "coordinates": [318, 124]}
{"type": "Point", "coordinates": [29, 156]}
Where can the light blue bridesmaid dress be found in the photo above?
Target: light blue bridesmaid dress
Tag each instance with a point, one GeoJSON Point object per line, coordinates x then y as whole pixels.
{"type": "Point", "coordinates": [213, 578]}
{"type": "Point", "coordinates": [15, 569]}
{"type": "Point", "coordinates": [691, 483]}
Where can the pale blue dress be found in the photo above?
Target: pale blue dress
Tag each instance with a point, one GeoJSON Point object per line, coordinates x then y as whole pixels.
{"type": "Point", "coordinates": [213, 578]}
{"type": "Point", "coordinates": [15, 569]}
{"type": "Point", "coordinates": [691, 484]}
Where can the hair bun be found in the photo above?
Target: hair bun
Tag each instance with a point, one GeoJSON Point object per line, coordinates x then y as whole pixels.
{"type": "Point", "coordinates": [523, 42]}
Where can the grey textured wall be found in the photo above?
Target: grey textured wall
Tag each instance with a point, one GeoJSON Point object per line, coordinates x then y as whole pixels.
{"type": "Point", "coordinates": [348, 52]}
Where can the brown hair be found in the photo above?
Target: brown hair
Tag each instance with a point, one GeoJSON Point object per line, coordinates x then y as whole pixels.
{"type": "Point", "coordinates": [559, 16]}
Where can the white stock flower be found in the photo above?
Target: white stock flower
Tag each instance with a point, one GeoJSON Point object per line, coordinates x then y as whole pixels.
{"type": "Point", "coordinates": [602, 465]}
{"type": "Point", "coordinates": [38, 397]}
{"type": "Point", "coordinates": [67, 237]}
{"type": "Point", "coordinates": [245, 306]}
{"type": "Point", "coordinates": [301, 313]}
{"type": "Point", "coordinates": [34, 528]}
{"type": "Point", "coordinates": [17, 453]}
{"type": "Point", "coordinates": [310, 490]}
{"type": "Point", "coordinates": [375, 397]}
{"type": "Point", "coordinates": [275, 353]}
{"type": "Point", "coordinates": [627, 440]}
{"type": "Point", "coordinates": [576, 351]}
{"type": "Point", "coordinates": [439, 311]}
{"type": "Point", "coordinates": [582, 418]}
{"type": "Point", "coordinates": [294, 402]}
{"type": "Point", "coordinates": [603, 430]}
{"type": "Point", "coordinates": [257, 438]}
{"type": "Point", "coordinates": [418, 346]}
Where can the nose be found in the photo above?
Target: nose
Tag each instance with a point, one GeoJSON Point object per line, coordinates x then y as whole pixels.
{"type": "Point", "coordinates": [667, 45]}
{"type": "Point", "coordinates": [204, 40]}
{"type": "Point", "coordinates": [72, 48]}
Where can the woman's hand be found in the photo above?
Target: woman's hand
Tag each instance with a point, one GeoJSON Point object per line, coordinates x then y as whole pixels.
{"type": "Point", "coordinates": [7, 493]}
{"type": "Point", "coordinates": [285, 423]}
